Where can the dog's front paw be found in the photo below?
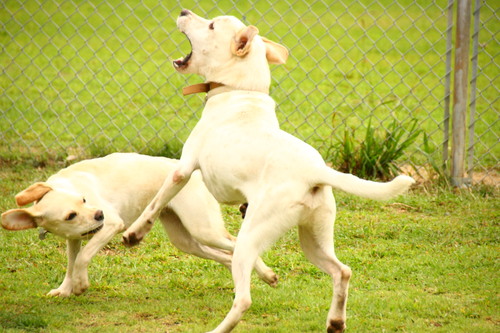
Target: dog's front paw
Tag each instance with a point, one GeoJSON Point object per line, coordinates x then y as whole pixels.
{"type": "Point", "coordinates": [59, 292]}
{"type": "Point", "coordinates": [130, 239]}
{"type": "Point", "coordinates": [270, 278]}
{"type": "Point", "coordinates": [265, 273]}
{"type": "Point", "coordinates": [134, 235]}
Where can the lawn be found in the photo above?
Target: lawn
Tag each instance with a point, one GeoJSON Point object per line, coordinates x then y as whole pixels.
{"type": "Point", "coordinates": [425, 262]}
{"type": "Point", "coordinates": [90, 78]}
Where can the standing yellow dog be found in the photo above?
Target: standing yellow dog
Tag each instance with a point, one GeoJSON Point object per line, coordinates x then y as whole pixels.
{"type": "Point", "coordinates": [245, 157]}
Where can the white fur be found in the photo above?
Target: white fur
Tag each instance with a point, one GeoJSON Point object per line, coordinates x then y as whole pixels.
{"type": "Point", "coordinates": [245, 157]}
{"type": "Point", "coordinates": [116, 189]}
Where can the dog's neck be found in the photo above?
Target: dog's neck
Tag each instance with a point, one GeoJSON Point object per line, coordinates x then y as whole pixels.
{"type": "Point", "coordinates": [201, 88]}
{"type": "Point", "coordinates": [211, 88]}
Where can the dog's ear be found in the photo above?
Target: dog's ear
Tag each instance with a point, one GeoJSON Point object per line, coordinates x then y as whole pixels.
{"type": "Point", "coordinates": [240, 45]}
{"type": "Point", "coordinates": [33, 193]}
{"type": "Point", "coordinates": [276, 53]}
{"type": "Point", "coordinates": [18, 219]}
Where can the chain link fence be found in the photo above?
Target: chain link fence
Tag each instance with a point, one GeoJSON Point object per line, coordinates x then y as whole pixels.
{"type": "Point", "coordinates": [87, 78]}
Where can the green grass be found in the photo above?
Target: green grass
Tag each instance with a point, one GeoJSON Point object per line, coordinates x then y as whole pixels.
{"type": "Point", "coordinates": [101, 80]}
{"type": "Point", "coordinates": [96, 77]}
{"type": "Point", "coordinates": [426, 262]}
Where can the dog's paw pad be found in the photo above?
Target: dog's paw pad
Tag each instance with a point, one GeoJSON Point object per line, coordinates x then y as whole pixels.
{"type": "Point", "coordinates": [270, 278]}
{"type": "Point", "coordinates": [273, 282]}
{"type": "Point", "coordinates": [336, 326]}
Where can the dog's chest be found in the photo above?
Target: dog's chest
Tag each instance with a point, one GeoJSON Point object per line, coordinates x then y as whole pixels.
{"type": "Point", "coordinates": [224, 185]}
{"type": "Point", "coordinates": [230, 141]}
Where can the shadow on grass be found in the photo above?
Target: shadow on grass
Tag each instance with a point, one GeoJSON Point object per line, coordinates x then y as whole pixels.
{"type": "Point", "coordinates": [23, 321]}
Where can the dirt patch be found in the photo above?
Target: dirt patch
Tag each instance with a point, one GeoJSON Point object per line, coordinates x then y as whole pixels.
{"type": "Point", "coordinates": [426, 174]}
{"type": "Point", "coordinates": [490, 177]}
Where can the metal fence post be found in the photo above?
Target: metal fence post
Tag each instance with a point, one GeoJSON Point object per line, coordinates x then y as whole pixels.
{"type": "Point", "coordinates": [447, 84]}
{"type": "Point", "coordinates": [473, 85]}
{"type": "Point", "coordinates": [461, 74]}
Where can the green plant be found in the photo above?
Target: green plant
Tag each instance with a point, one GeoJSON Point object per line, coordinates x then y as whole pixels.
{"type": "Point", "coordinates": [438, 168]}
{"type": "Point", "coordinates": [376, 155]}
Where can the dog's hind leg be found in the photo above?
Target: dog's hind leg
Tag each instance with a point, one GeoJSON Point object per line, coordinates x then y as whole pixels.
{"type": "Point", "coordinates": [316, 238]}
{"type": "Point", "coordinates": [184, 241]}
{"type": "Point", "coordinates": [228, 242]}
{"type": "Point", "coordinates": [263, 225]}
{"type": "Point", "coordinates": [204, 223]}
{"type": "Point", "coordinates": [206, 233]}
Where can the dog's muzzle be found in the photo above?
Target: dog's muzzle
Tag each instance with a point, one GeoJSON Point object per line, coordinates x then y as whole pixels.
{"type": "Point", "coordinates": [93, 231]}
{"type": "Point", "coordinates": [183, 63]}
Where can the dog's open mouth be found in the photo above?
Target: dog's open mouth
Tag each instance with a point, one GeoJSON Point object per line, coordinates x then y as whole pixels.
{"type": "Point", "coordinates": [183, 63]}
{"type": "Point", "coordinates": [93, 231]}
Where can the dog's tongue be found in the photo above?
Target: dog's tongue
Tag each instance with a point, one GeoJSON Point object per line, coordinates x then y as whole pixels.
{"type": "Point", "coordinates": [178, 62]}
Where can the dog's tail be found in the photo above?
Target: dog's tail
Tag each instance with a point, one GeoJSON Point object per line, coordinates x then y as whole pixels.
{"type": "Point", "coordinates": [363, 188]}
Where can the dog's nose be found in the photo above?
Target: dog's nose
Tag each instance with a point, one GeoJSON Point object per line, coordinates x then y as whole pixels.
{"type": "Point", "coordinates": [185, 12]}
{"type": "Point", "coordinates": [99, 215]}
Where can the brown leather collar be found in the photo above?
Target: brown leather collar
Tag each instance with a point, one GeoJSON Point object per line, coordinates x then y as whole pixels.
{"type": "Point", "coordinates": [201, 88]}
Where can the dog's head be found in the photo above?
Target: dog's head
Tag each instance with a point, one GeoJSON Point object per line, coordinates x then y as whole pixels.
{"type": "Point", "coordinates": [226, 51]}
{"type": "Point", "coordinates": [61, 212]}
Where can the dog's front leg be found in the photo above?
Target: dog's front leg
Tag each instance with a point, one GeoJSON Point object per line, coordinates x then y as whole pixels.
{"type": "Point", "coordinates": [66, 287]}
{"type": "Point", "coordinates": [174, 182]}
{"type": "Point", "coordinates": [113, 225]}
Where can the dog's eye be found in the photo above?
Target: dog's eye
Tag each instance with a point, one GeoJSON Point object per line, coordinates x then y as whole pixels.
{"type": "Point", "coordinates": [71, 216]}
{"type": "Point", "coordinates": [211, 26]}
{"type": "Point", "coordinates": [84, 201]}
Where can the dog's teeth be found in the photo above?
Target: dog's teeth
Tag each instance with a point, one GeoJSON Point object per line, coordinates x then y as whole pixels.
{"type": "Point", "coordinates": [91, 232]}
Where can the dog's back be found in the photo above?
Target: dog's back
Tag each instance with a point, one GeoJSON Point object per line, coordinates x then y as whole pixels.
{"type": "Point", "coordinates": [127, 181]}
{"type": "Point", "coordinates": [121, 168]}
